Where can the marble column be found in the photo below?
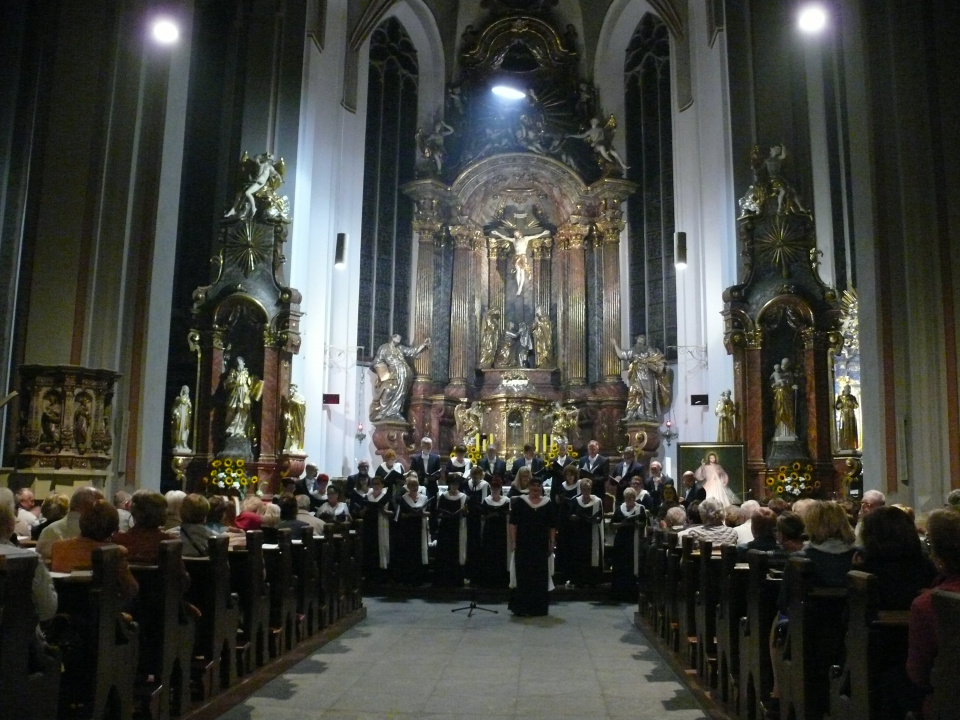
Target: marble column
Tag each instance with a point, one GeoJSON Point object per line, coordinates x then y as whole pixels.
{"type": "Point", "coordinates": [608, 228]}
{"type": "Point", "coordinates": [428, 226]}
{"type": "Point", "coordinates": [571, 240]}
{"type": "Point", "coordinates": [495, 299]}
{"type": "Point", "coordinates": [462, 334]}
{"type": "Point", "coordinates": [542, 252]}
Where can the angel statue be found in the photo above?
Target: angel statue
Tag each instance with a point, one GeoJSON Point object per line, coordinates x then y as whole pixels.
{"type": "Point", "coordinates": [468, 419]}
{"type": "Point", "coordinates": [294, 421]}
{"type": "Point", "coordinates": [601, 140]}
{"type": "Point", "coordinates": [181, 418]}
{"type": "Point", "coordinates": [264, 175]}
{"type": "Point", "coordinates": [564, 420]}
{"type": "Point", "coordinates": [520, 242]}
{"type": "Point", "coordinates": [394, 378]}
{"type": "Point", "coordinates": [431, 146]}
{"type": "Point", "coordinates": [648, 381]}
{"type": "Point", "coordinates": [726, 413]}
{"type": "Point", "coordinates": [489, 337]}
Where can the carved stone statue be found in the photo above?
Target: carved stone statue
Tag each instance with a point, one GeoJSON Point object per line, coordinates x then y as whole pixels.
{"type": "Point", "coordinates": [181, 419]}
{"type": "Point", "coordinates": [505, 353]}
{"type": "Point", "coordinates": [489, 338]}
{"type": "Point", "coordinates": [263, 175]}
{"type": "Point", "coordinates": [81, 422]}
{"type": "Point", "coordinates": [242, 390]}
{"type": "Point", "coordinates": [600, 138]}
{"type": "Point", "coordinates": [524, 345]}
{"type": "Point", "coordinates": [726, 413]}
{"type": "Point", "coordinates": [431, 146]}
{"type": "Point", "coordinates": [848, 434]}
{"type": "Point", "coordinates": [648, 381]}
{"type": "Point", "coordinates": [564, 420]}
{"type": "Point", "coordinates": [294, 421]}
{"type": "Point", "coordinates": [784, 397]}
{"type": "Point", "coordinates": [542, 340]}
{"type": "Point", "coordinates": [394, 378]}
{"type": "Point", "coordinates": [469, 421]}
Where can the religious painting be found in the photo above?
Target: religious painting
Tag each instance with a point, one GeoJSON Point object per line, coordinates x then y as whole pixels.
{"type": "Point", "coordinates": [715, 462]}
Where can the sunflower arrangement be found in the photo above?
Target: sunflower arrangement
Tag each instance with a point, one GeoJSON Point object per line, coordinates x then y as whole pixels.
{"type": "Point", "coordinates": [553, 451]}
{"type": "Point", "coordinates": [229, 474]}
{"type": "Point", "coordinates": [473, 452]}
{"type": "Point", "coordinates": [793, 482]}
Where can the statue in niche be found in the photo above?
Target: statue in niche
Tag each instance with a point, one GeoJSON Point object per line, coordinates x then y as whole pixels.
{"type": "Point", "coordinates": [848, 434]}
{"type": "Point", "coordinates": [294, 421]}
{"type": "Point", "coordinates": [520, 242]}
{"type": "Point", "coordinates": [431, 146]}
{"type": "Point", "coordinates": [784, 400]}
{"type": "Point", "coordinates": [542, 340]}
{"type": "Point", "coordinates": [50, 420]}
{"type": "Point", "coordinates": [524, 345]}
{"type": "Point", "coordinates": [181, 419]}
{"type": "Point", "coordinates": [394, 378]}
{"type": "Point", "coordinates": [264, 175]}
{"type": "Point", "coordinates": [489, 338]}
{"type": "Point", "coordinates": [600, 138]}
{"type": "Point", "coordinates": [469, 421]}
{"type": "Point", "coordinates": [726, 413]}
{"type": "Point", "coordinates": [563, 421]}
{"type": "Point", "coordinates": [81, 422]}
{"type": "Point", "coordinates": [242, 390]}
{"type": "Point", "coordinates": [505, 353]}
{"type": "Point", "coordinates": [648, 381]}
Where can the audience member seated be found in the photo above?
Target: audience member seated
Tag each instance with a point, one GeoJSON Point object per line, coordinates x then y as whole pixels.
{"type": "Point", "coordinates": [54, 507]}
{"type": "Point", "coordinates": [148, 509]}
{"type": "Point", "coordinates": [693, 513]}
{"type": "Point", "coordinates": [778, 505]}
{"type": "Point", "coordinates": [669, 500]}
{"type": "Point", "coordinates": [174, 501]}
{"type": "Point", "coordinates": [218, 508]}
{"type": "Point", "coordinates": [763, 527]}
{"type": "Point", "coordinates": [121, 501]}
{"type": "Point", "coordinates": [69, 526]}
{"type": "Point", "coordinates": [791, 533]}
{"type": "Point", "coordinates": [802, 506]}
{"type": "Point", "coordinates": [288, 516]}
{"type": "Point", "coordinates": [303, 513]}
{"type": "Point", "coordinates": [8, 501]}
{"type": "Point", "coordinates": [194, 533]}
{"type": "Point", "coordinates": [891, 550]}
{"type": "Point", "coordinates": [712, 527]}
{"type": "Point", "coordinates": [872, 499]}
{"type": "Point", "coordinates": [27, 512]}
{"type": "Point", "coordinates": [44, 595]}
{"type": "Point", "coordinates": [731, 516]}
{"type": "Point", "coordinates": [249, 517]}
{"type": "Point", "coordinates": [953, 500]}
{"type": "Point", "coordinates": [674, 519]}
{"type": "Point", "coordinates": [97, 524]}
{"type": "Point", "coordinates": [333, 510]}
{"type": "Point", "coordinates": [270, 522]}
{"type": "Point", "coordinates": [745, 529]}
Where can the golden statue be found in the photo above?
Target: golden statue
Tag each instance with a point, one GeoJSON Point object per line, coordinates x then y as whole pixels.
{"type": "Point", "coordinates": [506, 357]}
{"type": "Point", "coordinates": [726, 413]}
{"type": "Point", "coordinates": [242, 389]}
{"type": "Point", "coordinates": [468, 421]}
{"type": "Point", "coordinates": [648, 381]}
{"type": "Point", "coordinates": [294, 421]}
{"type": "Point", "coordinates": [520, 242]}
{"type": "Point", "coordinates": [543, 340]}
{"type": "Point", "coordinates": [848, 435]}
{"type": "Point", "coordinates": [489, 337]}
{"type": "Point", "coordinates": [181, 417]}
{"type": "Point", "coordinates": [564, 420]}
{"type": "Point", "coordinates": [784, 398]}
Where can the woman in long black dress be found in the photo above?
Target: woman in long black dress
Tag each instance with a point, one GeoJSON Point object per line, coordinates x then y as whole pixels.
{"type": "Point", "coordinates": [476, 491]}
{"type": "Point", "coordinates": [494, 564]}
{"type": "Point", "coordinates": [586, 542]}
{"type": "Point", "coordinates": [377, 511]}
{"type": "Point", "coordinates": [391, 472]}
{"type": "Point", "coordinates": [521, 482]}
{"type": "Point", "coordinates": [411, 534]}
{"type": "Point", "coordinates": [564, 496]}
{"type": "Point", "coordinates": [451, 535]}
{"type": "Point", "coordinates": [629, 521]}
{"type": "Point", "coordinates": [533, 529]}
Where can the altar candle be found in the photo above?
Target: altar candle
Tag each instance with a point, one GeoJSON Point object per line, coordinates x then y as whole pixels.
{"type": "Point", "coordinates": [536, 442]}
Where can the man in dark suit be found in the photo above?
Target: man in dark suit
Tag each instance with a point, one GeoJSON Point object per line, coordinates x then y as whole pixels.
{"type": "Point", "coordinates": [654, 484]}
{"type": "Point", "coordinates": [362, 473]}
{"type": "Point", "coordinates": [596, 467]}
{"type": "Point", "coordinates": [427, 467]}
{"type": "Point", "coordinates": [492, 464]}
{"type": "Point", "coordinates": [627, 469]}
{"type": "Point", "coordinates": [557, 467]}
{"type": "Point", "coordinates": [311, 486]}
{"type": "Point", "coordinates": [692, 490]}
{"type": "Point", "coordinates": [528, 459]}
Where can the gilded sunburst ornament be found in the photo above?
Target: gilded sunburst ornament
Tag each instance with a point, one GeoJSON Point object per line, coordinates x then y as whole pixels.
{"type": "Point", "coordinates": [248, 247]}
{"type": "Point", "coordinates": [783, 243]}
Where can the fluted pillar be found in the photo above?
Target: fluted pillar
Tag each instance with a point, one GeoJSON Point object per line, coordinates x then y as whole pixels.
{"type": "Point", "coordinates": [429, 229]}
{"type": "Point", "coordinates": [495, 251]}
{"type": "Point", "coordinates": [608, 228]}
{"type": "Point", "coordinates": [571, 240]}
{"type": "Point", "coordinates": [462, 335]}
{"type": "Point", "coordinates": [542, 251]}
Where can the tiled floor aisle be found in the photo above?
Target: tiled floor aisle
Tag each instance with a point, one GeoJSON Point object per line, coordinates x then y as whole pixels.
{"type": "Point", "coordinates": [414, 659]}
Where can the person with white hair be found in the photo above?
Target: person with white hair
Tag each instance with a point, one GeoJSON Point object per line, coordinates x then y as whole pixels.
{"type": "Point", "coordinates": [27, 512]}
{"type": "Point", "coordinates": [586, 544]}
{"type": "Point", "coordinates": [69, 527]}
{"type": "Point", "coordinates": [872, 499]}
{"type": "Point", "coordinates": [174, 501]}
{"type": "Point", "coordinates": [744, 529]}
{"type": "Point", "coordinates": [712, 529]}
{"type": "Point", "coordinates": [629, 521]}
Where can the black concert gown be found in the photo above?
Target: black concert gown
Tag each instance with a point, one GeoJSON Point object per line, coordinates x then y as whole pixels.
{"type": "Point", "coordinates": [629, 537]}
{"type": "Point", "coordinates": [372, 510]}
{"type": "Point", "coordinates": [494, 569]}
{"type": "Point", "coordinates": [564, 498]}
{"type": "Point", "coordinates": [448, 571]}
{"type": "Point", "coordinates": [406, 547]}
{"type": "Point", "coordinates": [532, 555]}
{"type": "Point", "coordinates": [583, 522]}
{"type": "Point", "coordinates": [475, 496]}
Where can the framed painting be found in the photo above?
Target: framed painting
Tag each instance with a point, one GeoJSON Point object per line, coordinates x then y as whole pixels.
{"type": "Point", "coordinates": [730, 463]}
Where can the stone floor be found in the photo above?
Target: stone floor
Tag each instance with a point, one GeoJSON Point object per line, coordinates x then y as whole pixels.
{"type": "Point", "coordinates": [415, 659]}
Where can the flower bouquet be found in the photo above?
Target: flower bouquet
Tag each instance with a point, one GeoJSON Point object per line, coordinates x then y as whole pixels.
{"type": "Point", "coordinates": [793, 482]}
{"type": "Point", "coordinates": [228, 474]}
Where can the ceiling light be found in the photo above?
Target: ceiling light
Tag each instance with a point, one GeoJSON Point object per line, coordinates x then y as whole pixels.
{"type": "Point", "coordinates": [507, 93]}
{"type": "Point", "coordinates": [812, 18]}
{"type": "Point", "coordinates": [165, 31]}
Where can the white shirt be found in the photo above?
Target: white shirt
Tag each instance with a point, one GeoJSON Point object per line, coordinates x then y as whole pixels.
{"type": "Point", "coordinates": [44, 594]}
{"type": "Point", "coordinates": [62, 529]}
{"type": "Point", "coordinates": [744, 533]}
{"type": "Point", "coordinates": [25, 521]}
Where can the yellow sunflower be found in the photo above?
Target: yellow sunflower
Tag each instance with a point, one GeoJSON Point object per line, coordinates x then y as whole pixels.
{"type": "Point", "coordinates": [807, 477]}
{"type": "Point", "coordinates": [782, 476]}
{"type": "Point", "coordinates": [227, 462]}
{"type": "Point", "coordinates": [243, 480]}
{"type": "Point", "coordinates": [216, 463]}
{"type": "Point", "coordinates": [779, 488]}
{"type": "Point", "coordinates": [783, 469]}
{"type": "Point", "coordinates": [817, 484]}
{"type": "Point", "coordinates": [770, 481]}
{"type": "Point", "coordinates": [809, 468]}
{"type": "Point", "coordinates": [241, 462]}
{"type": "Point", "coordinates": [796, 466]}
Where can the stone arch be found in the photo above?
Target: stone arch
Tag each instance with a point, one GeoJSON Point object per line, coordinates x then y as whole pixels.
{"type": "Point", "coordinates": [418, 21]}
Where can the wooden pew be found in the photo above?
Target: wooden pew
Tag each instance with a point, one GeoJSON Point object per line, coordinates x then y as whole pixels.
{"type": "Point", "coordinates": [307, 570]}
{"type": "Point", "coordinates": [247, 578]}
{"type": "Point", "coordinates": [215, 649]}
{"type": "Point", "coordinates": [100, 659]}
{"type": "Point", "coordinates": [283, 594]}
{"type": "Point", "coordinates": [671, 593]}
{"type": "Point", "coordinates": [707, 600]}
{"type": "Point", "coordinates": [687, 601]}
{"type": "Point", "coordinates": [646, 598]}
{"type": "Point", "coordinates": [29, 673]}
{"type": "Point", "coordinates": [328, 572]}
{"type": "Point", "coordinates": [943, 677]}
{"type": "Point", "coordinates": [167, 634]}
{"type": "Point", "coordinates": [355, 579]}
{"type": "Point", "coordinates": [732, 605]}
{"type": "Point", "coordinates": [338, 600]}
{"type": "Point", "coordinates": [657, 579]}
{"type": "Point", "coordinates": [813, 643]}
{"type": "Point", "coordinates": [756, 673]}
{"type": "Point", "coordinates": [875, 639]}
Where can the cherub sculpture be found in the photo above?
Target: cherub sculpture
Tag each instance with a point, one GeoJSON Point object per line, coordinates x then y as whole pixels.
{"type": "Point", "coordinates": [600, 138]}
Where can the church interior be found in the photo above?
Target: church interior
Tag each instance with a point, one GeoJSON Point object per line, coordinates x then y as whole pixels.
{"type": "Point", "coordinates": [244, 240]}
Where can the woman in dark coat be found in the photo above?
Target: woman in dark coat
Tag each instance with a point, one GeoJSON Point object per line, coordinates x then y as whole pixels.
{"type": "Point", "coordinates": [476, 490]}
{"type": "Point", "coordinates": [494, 561]}
{"type": "Point", "coordinates": [586, 541]}
{"type": "Point", "coordinates": [377, 510]}
{"type": "Point", "coordinates": [451, 535]}
{"type": "Point", "coordinates": [564, 496]}
{"type": "Point", "coordinates": [629, 521]}
{"type": "Point", "coordinates": [533, 529]}
{"type": "Point", "coordinates": [411, 535]}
